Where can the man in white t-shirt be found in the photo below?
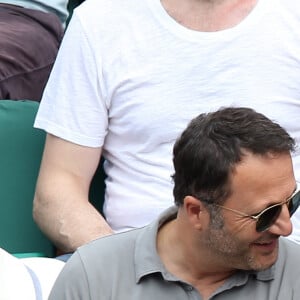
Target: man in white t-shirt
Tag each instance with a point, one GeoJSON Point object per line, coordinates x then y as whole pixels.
{"type": "Point", "coordinates": [128, 78]}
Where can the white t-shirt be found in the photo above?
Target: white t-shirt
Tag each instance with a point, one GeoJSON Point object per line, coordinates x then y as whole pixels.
{"type": "Point", "coordinates": [129, 78]}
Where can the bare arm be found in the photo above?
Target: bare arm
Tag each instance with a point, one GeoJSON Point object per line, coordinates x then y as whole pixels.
{"type": "Point", "coordinates": [61, 207]}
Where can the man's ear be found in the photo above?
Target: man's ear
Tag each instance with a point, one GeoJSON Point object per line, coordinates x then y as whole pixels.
{"type": "Point", "coordinates": [196, 212]}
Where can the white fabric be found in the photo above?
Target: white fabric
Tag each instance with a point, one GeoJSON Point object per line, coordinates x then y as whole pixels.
{"type": "Point", "coordinates": [16, 281]}
{"type": "Point", "coordinates": [46, 271]}
{"type": "Point", "coordinates": [129, 78]}
{"type": "Point", "coordinates": [58, 7]}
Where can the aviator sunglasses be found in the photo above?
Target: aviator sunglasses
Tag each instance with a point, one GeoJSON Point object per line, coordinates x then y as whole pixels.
{"type": "Point", "coordinates": [268, 216]}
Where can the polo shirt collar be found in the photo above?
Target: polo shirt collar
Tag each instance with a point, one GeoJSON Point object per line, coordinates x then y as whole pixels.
{"type": "Point", "coordinates": [146, 258]}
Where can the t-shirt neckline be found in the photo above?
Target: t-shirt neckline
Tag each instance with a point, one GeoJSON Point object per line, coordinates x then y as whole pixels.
{"type": "Point", "coordinates": [181, 31]}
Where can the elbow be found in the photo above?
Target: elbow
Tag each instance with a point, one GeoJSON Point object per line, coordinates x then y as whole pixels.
{"type": "Point", "coordinates": [37, 209]}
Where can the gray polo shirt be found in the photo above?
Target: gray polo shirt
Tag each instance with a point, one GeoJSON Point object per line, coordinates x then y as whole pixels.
{"type": "Point", "coordinates": [126, 266]}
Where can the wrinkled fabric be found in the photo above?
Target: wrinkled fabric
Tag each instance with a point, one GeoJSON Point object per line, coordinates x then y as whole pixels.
{"type": "Point", "coordinates": [29, 41]}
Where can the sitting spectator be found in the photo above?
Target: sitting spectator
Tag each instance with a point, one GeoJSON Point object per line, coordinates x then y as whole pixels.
{"type": "Point", "coordinates": [30, 35]}
{"type": "Point", "coordinates": [128, 78]}
{"type": "Point", "coordinates": [235, 192]}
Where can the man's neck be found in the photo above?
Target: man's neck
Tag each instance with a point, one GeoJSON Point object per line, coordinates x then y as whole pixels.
{"type": "Point", "coordinates": [209, 15]}
{"type": "Point", "coordinates": [186, 261]}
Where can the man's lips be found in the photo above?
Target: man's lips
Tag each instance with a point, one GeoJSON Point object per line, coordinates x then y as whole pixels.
{"type": "Point", "coordinates": [266, 245]}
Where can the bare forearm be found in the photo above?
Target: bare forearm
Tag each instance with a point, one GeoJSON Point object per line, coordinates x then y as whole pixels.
{"type": "Point", "coordinates": [61, 206]}
{"type": "Point", "coordinates": [69, 222]}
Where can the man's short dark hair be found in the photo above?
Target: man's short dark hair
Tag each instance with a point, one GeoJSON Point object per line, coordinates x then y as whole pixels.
{"type": "Point", "coordinates": [213, 143]}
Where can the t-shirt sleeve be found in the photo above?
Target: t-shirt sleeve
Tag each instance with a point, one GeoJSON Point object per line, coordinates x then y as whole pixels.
{"type": "Point", "coordinates": [73, 105]}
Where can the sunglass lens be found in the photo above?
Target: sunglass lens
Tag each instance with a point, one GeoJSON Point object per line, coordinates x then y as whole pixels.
{"type": "Point", "coordinates": [294, 203]}
{"type": "Point", "coordinates": [268, 218]}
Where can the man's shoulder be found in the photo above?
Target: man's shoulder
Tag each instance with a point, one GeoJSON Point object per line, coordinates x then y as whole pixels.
{"type": "Point", "coordinates": [291, 7]}
{"type": "Point", "coordinates": [104, 258]}
{"type": "Point", "coordinates": [115, 245]}
{"type": "Point", "coordinates": [113, 8]}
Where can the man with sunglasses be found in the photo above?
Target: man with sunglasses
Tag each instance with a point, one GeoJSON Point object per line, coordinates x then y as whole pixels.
{"type": "Point", "coordinates": [235, 191]}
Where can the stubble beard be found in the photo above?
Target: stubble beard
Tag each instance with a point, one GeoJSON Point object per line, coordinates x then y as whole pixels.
{"type": "Point", "coordinates": [229, 250]}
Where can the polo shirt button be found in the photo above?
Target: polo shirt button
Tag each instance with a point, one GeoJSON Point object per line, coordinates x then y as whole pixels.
{"type": "Point", "coordinates": [188, 288]}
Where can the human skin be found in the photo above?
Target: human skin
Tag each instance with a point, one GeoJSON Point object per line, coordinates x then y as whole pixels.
{"type": "Point", "coordinates": [61, 206]}
{"type": "Point", "coordinates": [208, 251]}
